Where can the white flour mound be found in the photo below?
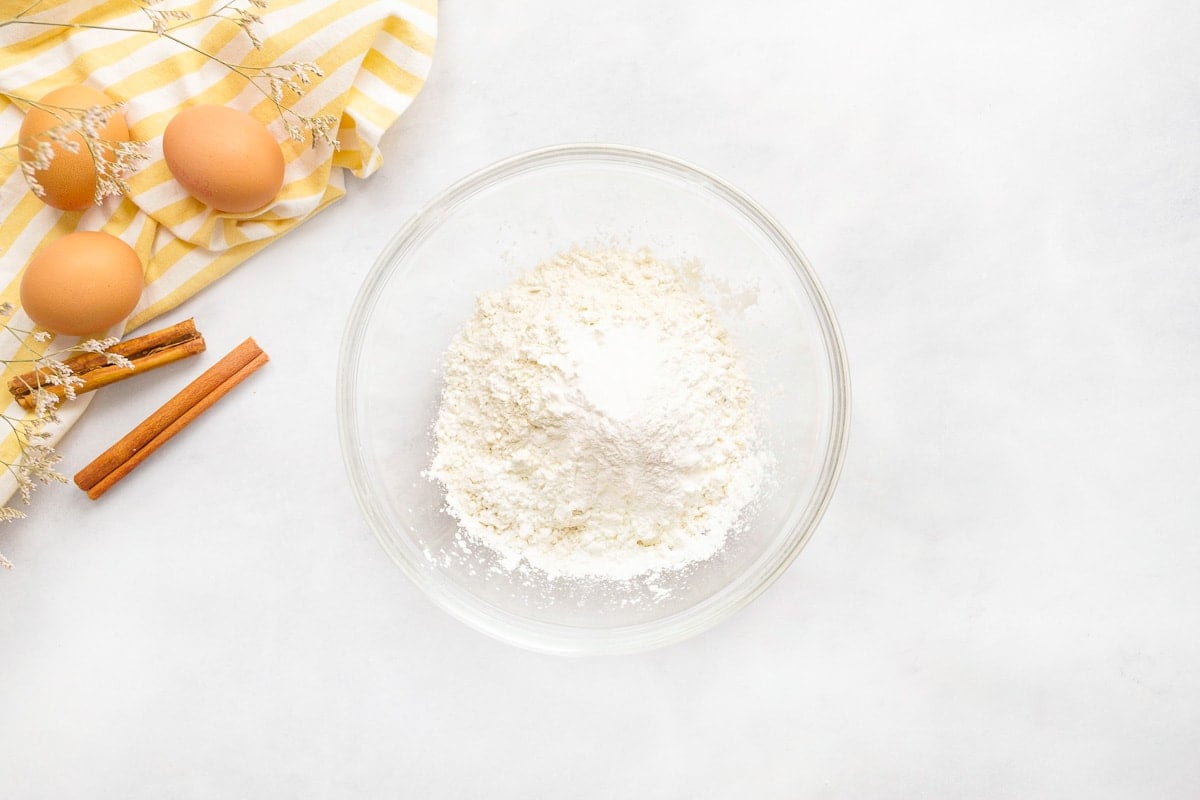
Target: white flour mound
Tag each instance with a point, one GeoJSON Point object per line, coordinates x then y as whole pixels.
{"type": "Point", "coordinates": [595, 420]}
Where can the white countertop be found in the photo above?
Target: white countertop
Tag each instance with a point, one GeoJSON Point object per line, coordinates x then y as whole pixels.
{"type": "Point", "coordinates": [1003, 600]}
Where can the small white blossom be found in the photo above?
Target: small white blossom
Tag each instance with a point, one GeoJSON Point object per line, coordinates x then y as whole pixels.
{"type": "Point", "coordinates": [248, 21]}
{"type": "Point", "coordinates": [44, 403]}
{"type": "Point", "coordinates": [79, 129]}
{"type": "Point", "coordinates": [159, 18]}
{"type": "Point", "coordinates": [96, 345]}
{"type": "Point", "coordinates": [118, 360]}
{"type": "Point", "coordinates": [322, 129]}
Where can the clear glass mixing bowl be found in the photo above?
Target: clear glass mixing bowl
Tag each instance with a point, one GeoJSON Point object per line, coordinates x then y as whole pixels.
{"type": "Point", "coordinates": [479, 235]}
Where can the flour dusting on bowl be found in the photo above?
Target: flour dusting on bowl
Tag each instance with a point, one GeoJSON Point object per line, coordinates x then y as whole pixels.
{"type": "Point", "coordinates": [596, 421]}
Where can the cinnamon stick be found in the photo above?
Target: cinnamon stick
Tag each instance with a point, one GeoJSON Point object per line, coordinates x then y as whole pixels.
{"type": "Point", "coordinates": [135, 447]}
{"type": "Point", "coordinates": [147, 352]}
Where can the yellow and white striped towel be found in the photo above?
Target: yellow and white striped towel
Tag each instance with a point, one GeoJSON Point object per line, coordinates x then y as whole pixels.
{"type": "Point", "coordinates": [375, 55]}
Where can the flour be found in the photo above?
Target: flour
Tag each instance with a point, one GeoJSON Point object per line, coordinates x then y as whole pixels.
{"type": "Point", "coordinates": [595, 420]}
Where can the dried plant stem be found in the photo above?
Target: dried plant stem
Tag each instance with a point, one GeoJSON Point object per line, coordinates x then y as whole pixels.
{"type": "Point", "coordinates": [144, 353]}
{"type": "Point", "coordinates": [293, 76]}
{"type": "Point", "coordinates": [37, 462]}
{"type": "Point", "coordinates": [113, 160]}
{"type": "Point", "coordinates": [25, 10]}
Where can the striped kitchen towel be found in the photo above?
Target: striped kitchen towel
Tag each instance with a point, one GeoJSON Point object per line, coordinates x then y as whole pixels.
{"type": "Point", "coordinates": [374, 56]}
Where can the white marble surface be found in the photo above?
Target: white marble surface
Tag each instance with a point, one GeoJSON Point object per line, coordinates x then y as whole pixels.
{"type": "Point", "coordinates": [1004, 598]}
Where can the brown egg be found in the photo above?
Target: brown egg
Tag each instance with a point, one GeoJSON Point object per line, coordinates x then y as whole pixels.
{"type": "Point", "coordinates": [70, 179]}
{"type": "Point", "coordinates": [83, 283]}
{"type": "Point", "coordinates": [224, 158]}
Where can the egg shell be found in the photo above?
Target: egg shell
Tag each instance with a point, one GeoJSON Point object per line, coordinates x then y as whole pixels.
{"type": "Point", "coordinates": [83, 283]}
{"type": "Point", "coordinates": [70, 179]}
{"type": "Point", "coordinates": [224, 158]}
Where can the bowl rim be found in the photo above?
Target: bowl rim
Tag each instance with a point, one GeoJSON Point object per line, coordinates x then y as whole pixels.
{"type": "Point", "coordinates": [551, 637]}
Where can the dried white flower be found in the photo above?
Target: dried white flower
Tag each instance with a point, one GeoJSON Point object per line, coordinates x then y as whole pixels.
{"type": "Point", "coordinates": [159, 18]}
{"type": "Point", "coordinates": [118, 360]}
{"type": "Point", "coordinates": [45, 404]}
{"type": "Point", "coordinates": [96, 345]}
{"type": "Point", "coordinates": [81, 128]}
{"type": "Point", "coordinates": [37, 464]}
{"type": "Point", "coordinates": [322, 129]}
{"type": "Point", "coordinates": [247, 21]}
{"type": "Point", "coordinates": [32, 181]}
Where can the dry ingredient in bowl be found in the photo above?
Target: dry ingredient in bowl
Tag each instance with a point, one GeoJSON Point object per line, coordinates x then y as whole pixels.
{"type": "Point", "coordinates": [596, 421]}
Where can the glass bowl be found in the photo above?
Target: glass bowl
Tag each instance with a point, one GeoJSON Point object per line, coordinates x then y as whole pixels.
{"type": "Point", "coordinates": [482, 233]}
